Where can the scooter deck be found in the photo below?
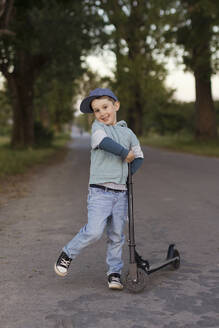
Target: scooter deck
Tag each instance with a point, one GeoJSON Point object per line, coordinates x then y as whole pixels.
{"type": "Point", "coordinates": [158, 266]}
{"type": "Point", "coordinates": [172, 258]}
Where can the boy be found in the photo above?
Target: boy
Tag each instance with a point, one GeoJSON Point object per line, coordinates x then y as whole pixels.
{"type": "Point", "coordinates": [113, 146]}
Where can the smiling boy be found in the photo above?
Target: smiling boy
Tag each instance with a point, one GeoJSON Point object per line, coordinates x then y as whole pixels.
{"type": "Point", "coordinates": [105, 109]}
{"type": "Point", "coordinates": [113, 146]}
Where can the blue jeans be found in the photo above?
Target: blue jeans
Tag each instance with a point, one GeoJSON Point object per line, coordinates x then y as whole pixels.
{"type": "Point", "coordinates": [106, 209]}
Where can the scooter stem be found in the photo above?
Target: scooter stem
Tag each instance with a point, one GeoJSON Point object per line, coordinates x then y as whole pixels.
{"type": "Point", "coordinates": [131, 242]}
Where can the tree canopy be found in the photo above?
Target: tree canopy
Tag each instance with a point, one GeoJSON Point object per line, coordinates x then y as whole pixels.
{"type": "Point", "coordinates": [136, 41]}
{"type": "Point", "coordinates": [52, 37]}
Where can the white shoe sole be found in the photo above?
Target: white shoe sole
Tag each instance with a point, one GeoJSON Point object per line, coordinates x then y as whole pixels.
{"type": "Point", "coordinates": [115, 286]}
{"type": "Point", "coordinates": [61, 274]}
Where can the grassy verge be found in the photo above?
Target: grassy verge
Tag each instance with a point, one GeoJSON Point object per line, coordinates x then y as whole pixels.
{"type": "Point", "coordinates": [14, 162]}
{"type": "Point", "coordinates": [186, 144]}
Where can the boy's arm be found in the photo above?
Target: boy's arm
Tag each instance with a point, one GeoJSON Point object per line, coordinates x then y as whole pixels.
{"type": "Point", "coordinates": [99, 139]}
{"type": "Point", "coordinates": [136, 164]}
{"type": "Point", "coordinates": [113, 147]}
{"type": "Point", "coordinates": [139, 156]}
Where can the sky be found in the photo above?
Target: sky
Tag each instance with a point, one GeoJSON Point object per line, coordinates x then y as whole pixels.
{"type": "Point", "coordinates": [183, 82]}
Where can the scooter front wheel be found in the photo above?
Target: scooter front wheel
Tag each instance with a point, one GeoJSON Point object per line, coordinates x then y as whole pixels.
{"type": "Point", "coordinates": [136, 286]}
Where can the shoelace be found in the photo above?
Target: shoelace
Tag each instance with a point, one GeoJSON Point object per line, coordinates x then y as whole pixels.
{"type": "Point", "coordinates": [115, 279]}
{"type": "Point", "coordinates": [65, 263]}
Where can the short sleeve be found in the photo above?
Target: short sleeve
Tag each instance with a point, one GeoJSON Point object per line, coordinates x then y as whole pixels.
{"type": "Point", "coordinates": [97, 134]}
{"type": "Point", "coordinates": [135, 146]}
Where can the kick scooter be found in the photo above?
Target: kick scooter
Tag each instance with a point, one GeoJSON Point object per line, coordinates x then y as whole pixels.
{"type": "Point", "coordinates": [136, 278]}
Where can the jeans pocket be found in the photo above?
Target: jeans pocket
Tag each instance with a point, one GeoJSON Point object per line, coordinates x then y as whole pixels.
{"type": "Point", "coordinates": [89, 193]}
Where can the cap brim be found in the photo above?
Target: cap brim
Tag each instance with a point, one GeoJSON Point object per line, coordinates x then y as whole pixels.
{"type": "Point", "coordinates": [85, 106]}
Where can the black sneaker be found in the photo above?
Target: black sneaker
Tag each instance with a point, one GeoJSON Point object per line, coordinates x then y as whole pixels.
{"type": "Point", "coordinates": [114, 281]}
{"type": "Point", "coordinates": [62, 264]}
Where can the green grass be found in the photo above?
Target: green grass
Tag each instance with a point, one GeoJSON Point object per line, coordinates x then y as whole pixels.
{"type": "Point", "coordinates": [183, 143]}
{"type": "Point", "coordinates": [14, 162]}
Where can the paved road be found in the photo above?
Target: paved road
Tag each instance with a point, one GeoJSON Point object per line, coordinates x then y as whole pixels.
{"type": "Point", "coordinates": [176, 199]}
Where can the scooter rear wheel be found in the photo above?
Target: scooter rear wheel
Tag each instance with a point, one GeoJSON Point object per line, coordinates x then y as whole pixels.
{"type": "Point", "coordinates": [136, 286]}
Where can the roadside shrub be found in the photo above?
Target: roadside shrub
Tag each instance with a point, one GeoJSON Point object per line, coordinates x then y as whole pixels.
{"type": "Point", "coordinates": [43, 136]}
{"type": "Point", "coordinates": [172, 118]}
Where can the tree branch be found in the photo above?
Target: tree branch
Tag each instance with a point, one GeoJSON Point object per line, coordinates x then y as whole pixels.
{"type": "Point", "coordinates": [6, 10]}
{"type": "Point", "coordinates": [9, 12]}
{"type": "Point", "coordinates": [2, 7]}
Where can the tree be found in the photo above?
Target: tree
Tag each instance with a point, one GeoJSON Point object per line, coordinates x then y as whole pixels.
{"type": "Point", "coordinates": [53, 104]}
{"type": "Point", "coordinates": [48, 35]}
{"type": "Point", "coordinates": [195, 29]}
{"type": "Point", "coordinates": [136, 41]}
{"type": "Point", "coordinates": [5, 113]}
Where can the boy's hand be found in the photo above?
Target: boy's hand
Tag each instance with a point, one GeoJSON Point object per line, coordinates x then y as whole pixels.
{"type": "Point", "coordinates": [130, 157]}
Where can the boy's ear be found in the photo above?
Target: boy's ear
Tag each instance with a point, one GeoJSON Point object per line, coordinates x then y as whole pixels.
{"type": "Point", "coordinates": [117, 105]}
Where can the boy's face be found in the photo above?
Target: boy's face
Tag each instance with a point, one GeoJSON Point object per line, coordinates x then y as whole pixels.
{"type": "Point", "coordinates": [105, 110]}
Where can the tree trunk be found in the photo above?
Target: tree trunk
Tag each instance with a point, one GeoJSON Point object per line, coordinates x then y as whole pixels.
{"type": "Point", "coordinates": [205, 125]}
{"type": "Point", "coordinates": [201, 64]}
{"type": "Point", "coordinates": [21, 84]}
{"type": "Point", "coordinates": [135, 114]}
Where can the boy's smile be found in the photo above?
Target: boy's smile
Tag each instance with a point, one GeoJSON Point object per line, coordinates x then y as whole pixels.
{"type": "Point", "coordinates": [105, 110]}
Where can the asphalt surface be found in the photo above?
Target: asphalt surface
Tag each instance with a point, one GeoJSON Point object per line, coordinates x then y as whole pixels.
{"type": "Point", "coordinates": [176, 199]}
